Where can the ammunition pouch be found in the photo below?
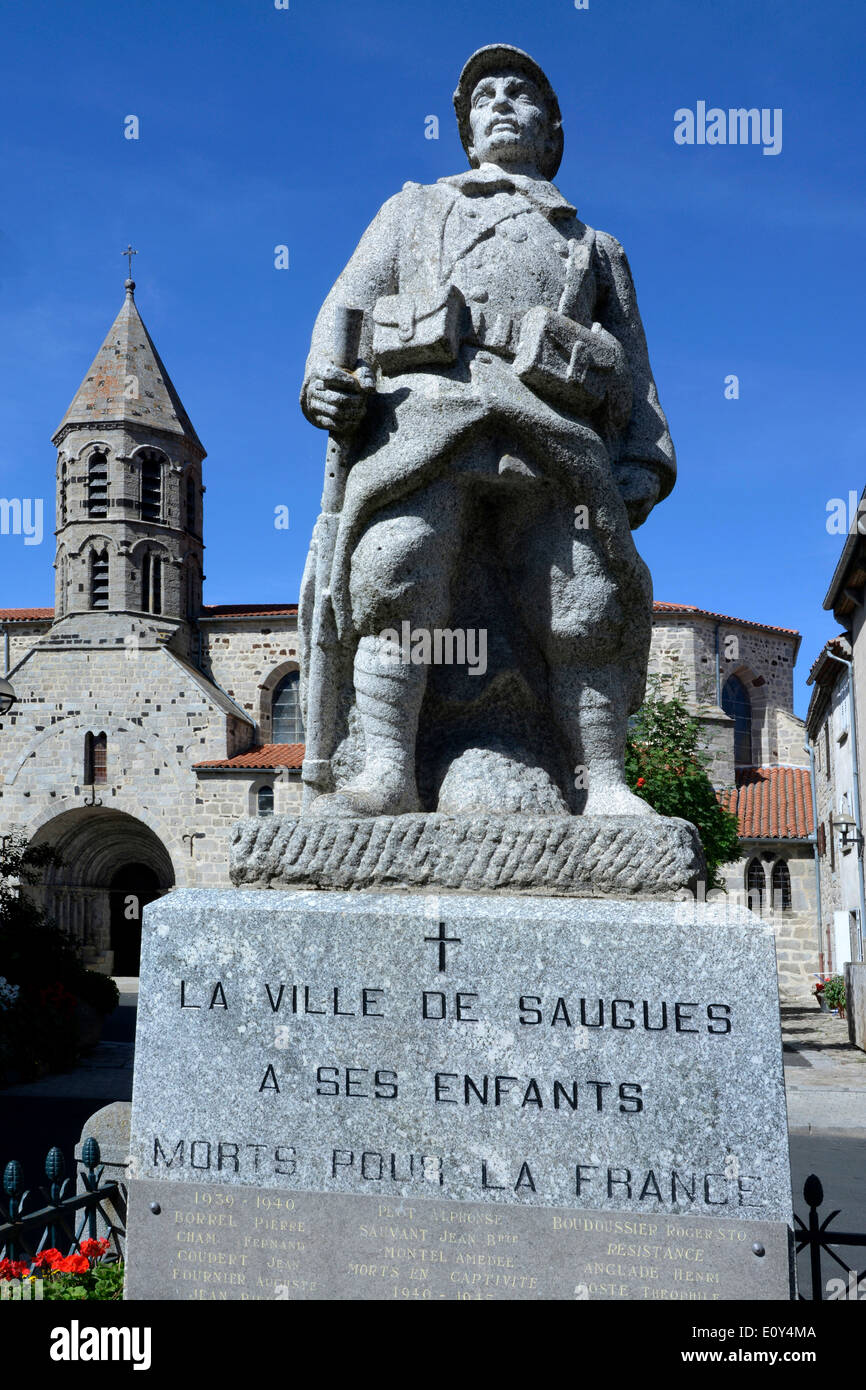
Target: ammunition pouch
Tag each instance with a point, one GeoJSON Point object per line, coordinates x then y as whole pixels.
{"type": "Point", "coordinates": [417, 330]}
{"type": "Point", "coordinates": [583, 370]}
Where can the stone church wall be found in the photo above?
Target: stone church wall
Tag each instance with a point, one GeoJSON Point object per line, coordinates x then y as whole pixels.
{"type": "Point", "coordinates": [685, 647]}
{"type": "Point", "coordinates": [248, 660]}
{"type": "Point", "coordinates": [158, 722]}
{"type": "Point", "coordinates": [21, 637]}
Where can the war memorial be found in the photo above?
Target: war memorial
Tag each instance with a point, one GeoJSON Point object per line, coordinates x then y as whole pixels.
{"type": "Point", "coordinates": [464, 1027]}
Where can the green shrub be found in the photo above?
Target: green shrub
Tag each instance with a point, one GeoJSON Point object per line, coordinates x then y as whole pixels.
{"type": "Point", "coordinates": [834, 992]}
{"type": "Point", "coordinates": [99, 991]}
{"type": "Point", "coordinates": [103, 1282]}
{"type": "Point", "coordinates": [666, 764]}
{"type": "Point", "coordinates": [39, 1023]}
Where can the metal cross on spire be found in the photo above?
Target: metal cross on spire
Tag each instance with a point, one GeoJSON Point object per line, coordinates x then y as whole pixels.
{"type": "Point", "coordinates": [129, 253]}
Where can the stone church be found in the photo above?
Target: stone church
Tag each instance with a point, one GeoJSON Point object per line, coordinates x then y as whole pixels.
{"type": "Point", "coordinates": [147, 722]}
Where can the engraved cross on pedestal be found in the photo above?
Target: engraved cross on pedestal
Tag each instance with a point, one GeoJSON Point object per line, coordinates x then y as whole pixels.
{"type": "Point", "coordinates": [441, 941]}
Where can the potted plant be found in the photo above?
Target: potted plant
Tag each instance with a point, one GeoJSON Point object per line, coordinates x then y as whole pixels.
{"type": "Point", "coordinates": [820, 986]}
{"type": "Point", "coordinates": [834, 994]}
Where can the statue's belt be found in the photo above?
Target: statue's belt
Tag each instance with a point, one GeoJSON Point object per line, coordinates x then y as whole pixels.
{"type": "Point", "coordinates": [577, 366]}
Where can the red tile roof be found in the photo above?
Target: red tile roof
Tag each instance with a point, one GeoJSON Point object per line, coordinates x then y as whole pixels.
{"type": "Point", "coordinates": [249, 610]}
{"type": "Point", "coordinates": [289, 610]}
{"type": "Point", "coordinates": [771, 803]}
{"type": "Point", "coordinates": [687, 608]}
{"type": "Point", "coordinates": [209, 610]}
{"type": "Point", "coordinates": [262, 758]}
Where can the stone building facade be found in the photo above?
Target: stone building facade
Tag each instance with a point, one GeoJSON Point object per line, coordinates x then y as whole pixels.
{"type": "Point", "coordinates": [828, 721]}
{"type": "Point", "coordinates": [737, 677]}
{"type": "Point", "coordinates": [147, 722]}
{"type": "Point", "coordinates": [836, 725]}
{"type": "Point", "coordinates": [142, 722]}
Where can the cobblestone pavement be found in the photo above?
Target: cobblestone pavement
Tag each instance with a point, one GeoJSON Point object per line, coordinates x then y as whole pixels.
{"type": "Point", "coordinates": [825, 1077]}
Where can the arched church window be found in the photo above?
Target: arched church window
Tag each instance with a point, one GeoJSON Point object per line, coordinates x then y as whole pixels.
{"type": "Point", "coordinates": [736, 704]}
{"type": "Point", "coordinates": [99, 579]}
{"type": "Point", "coordinates": [265, 801]}
{"type": "Point", "coordinates": [781, 886]}
{"type": "Point", "coordinates": [756, 886]}
{"type": "Point", "coordinates": [97, 485]}
{"type": "Point", "coordinates": [62, 576]}
{"type": "Point", "coordinates": [190, 501]}
{"type": "Point", "coordinates": [151, 582]}
{"type": "Point", "coordinates": [151, 484]}
{"type": "Point", "coordinates": [287, 726]}
{"type": "Point", "coordinates": [61, 508]}
{"type": "Point", "coordinates": [95, 758]}
{"type": "Point", "coordinates": [192, 590]}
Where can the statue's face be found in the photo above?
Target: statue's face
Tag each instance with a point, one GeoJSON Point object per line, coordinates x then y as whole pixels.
{"type": "Point", "coordinates": [509, 121]}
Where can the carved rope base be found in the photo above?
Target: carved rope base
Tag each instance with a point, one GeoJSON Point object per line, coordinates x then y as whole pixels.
{"type": "Point", "coordinates": [562, 856]}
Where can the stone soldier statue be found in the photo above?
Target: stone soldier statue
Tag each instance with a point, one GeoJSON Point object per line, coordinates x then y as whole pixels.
{"type": "Point", "coordinates": [501, 436]}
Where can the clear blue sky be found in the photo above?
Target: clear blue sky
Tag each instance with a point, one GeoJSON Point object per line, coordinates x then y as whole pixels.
{"type": "Point", "coordinates": [261, 126]}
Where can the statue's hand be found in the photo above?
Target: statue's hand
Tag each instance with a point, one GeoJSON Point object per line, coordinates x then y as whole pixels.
{"type": "Point", "coordinates": [640, 488]}
{"type": "Point", "coordinates": [334, 399]}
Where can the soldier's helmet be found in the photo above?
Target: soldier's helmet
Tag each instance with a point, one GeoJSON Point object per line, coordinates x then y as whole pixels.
{"type": "Point", "coordinates": [493, 58]}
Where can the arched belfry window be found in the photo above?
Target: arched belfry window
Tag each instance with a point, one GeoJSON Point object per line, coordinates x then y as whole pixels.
{"type": "Point", "coordinates": [193, 590]}
{"type": "Point", "coordinates": [781, 886]}
{"type": "Point", "coordinates": [62, 580]}
{"type": "Point", "coordinates": [265, 801]}
{"type": "Point", "coordinates": [736, 704]}
{"type": "Point", "coordinates": [151, 484]}
{"type": "Point", "coordinates": [287, 726]}
{"type": "Point", "coordinates": [190, 502]}
{"type": "Point", "coordinates": [97, 485]}
{"type": "Point", "coordinates": [151, 582]}
{"type": "Point", "coordinates": [62, 487]}
{"type": "Point", "coordinates": [756, 886]}
{"type": "Point", "coordinates": [99, 579]}
{"type": "Point", "coordinates": [95, 758]}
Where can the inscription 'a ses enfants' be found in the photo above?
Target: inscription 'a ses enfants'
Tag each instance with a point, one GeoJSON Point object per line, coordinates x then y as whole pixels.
{"type": "Point", "coordinates": [461, 1006]}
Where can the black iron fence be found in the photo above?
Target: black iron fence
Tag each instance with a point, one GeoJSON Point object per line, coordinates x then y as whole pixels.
{"type": "Point", "coordinates": [814, 1239]}
{"type": "Point", "coordinates": [60, 1213]}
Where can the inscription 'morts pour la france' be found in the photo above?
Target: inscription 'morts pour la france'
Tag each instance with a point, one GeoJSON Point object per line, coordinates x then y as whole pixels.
{"type": "Point", "coordinates": [507, 1051]}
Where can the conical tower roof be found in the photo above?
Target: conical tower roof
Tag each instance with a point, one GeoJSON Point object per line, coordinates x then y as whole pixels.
{"type": "Point", "coordinates": [107, 393]}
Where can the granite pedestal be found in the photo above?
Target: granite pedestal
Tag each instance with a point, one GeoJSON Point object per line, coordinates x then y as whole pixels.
{"type": "Point", "coordinates": [334, 1092]}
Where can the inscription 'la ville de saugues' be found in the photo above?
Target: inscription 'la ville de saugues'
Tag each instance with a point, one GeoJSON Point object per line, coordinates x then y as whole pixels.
{"type": "Point", "coordinates": [532, 1009]}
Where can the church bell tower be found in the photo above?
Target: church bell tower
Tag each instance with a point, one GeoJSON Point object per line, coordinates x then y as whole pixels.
{"type": "Point", "coordinates": [129, 490]}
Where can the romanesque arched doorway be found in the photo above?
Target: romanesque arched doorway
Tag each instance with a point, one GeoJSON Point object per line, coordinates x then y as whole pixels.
{"type": "Point", "coordinates": [130, 890]}
{"type": "Point", "coordinates": [110, 866]}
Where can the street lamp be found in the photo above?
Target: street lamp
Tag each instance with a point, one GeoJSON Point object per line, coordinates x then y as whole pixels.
{"type": "Point", "coordinates": [850, 837]}
{"type": "Point", "coordinates": [7, 696]}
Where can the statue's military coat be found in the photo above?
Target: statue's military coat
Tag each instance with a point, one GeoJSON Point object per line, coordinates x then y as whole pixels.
{"type": "Point", "coordinates": [509, 244]}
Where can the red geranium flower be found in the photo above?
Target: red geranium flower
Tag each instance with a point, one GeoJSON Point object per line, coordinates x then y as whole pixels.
{"type": "Point", "coordinates": [640, 781]}
{"type": "Point", "coordinates": [14, 1269]}
{"type": "Point", "coordinates": [47, 1258]}
{"type": "Point", "coordinates": [73, 1264]}
{"type": "Point", "coordinates": [94, 1248]}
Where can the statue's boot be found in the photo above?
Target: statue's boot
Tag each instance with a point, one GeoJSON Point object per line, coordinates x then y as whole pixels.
{"type": "Point", "coordinates": [388, 696]}
{"type": "Point", "coordinates": [594, 719]}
